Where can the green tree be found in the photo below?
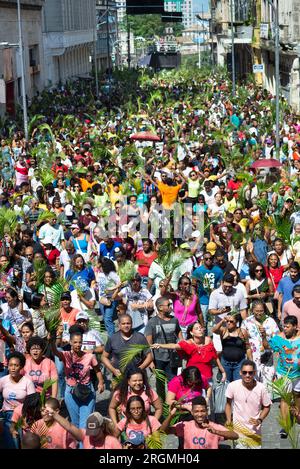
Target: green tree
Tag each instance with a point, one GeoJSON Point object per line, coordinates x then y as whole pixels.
{"type": "Point", "coordinates": [149, 26]}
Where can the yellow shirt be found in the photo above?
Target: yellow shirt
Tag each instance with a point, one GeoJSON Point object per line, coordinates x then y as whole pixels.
{"type": "Point", "coordinates": [168, 193]}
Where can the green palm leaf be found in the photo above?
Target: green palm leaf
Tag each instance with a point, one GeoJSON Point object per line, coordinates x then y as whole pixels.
{"type": "Point", "coordinates": [8, 222]}
{"type": "Point", "coordinates": [127, 271]}
{"type": "Point", "coordinates": [156, 440]}
{"type": "Point", "coordinates": [47, 384]}
{"type": "Point", "coordinates": [33, 123]}
{"type": "Point", "coordinates": [131, 353]}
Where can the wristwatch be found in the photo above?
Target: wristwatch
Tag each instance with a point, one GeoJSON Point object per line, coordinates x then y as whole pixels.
{"type": "Point", "coordinates": [260, 420]}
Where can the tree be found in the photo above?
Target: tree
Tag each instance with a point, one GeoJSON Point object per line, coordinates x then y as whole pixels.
{"type": "Point", "coordinates": [149, 26]}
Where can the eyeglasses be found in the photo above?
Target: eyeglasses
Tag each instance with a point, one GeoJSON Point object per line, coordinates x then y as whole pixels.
{"type": "Point", "coordinates": [250, 373]}
{"type": "Point", "coordinates": [259, 270]}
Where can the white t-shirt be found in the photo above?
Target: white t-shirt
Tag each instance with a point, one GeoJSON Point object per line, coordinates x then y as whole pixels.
{"type": "Point", "coordinates": [91, 339]}
{"type": "Point", "coordinates": [210, 198]}
{"type": "Point", "coordinates": [76, 303]}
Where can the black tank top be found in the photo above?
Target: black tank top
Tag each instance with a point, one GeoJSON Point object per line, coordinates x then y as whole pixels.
{"type": "Point", "coordinates": [234, 349]}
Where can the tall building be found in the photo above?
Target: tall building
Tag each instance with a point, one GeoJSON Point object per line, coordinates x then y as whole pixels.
{"type": "Point", "coordinates": [187, 9]}
{"type": "Point", "coordinates": [107, 33]}
{"type": "Point", "coordinates": [68, 34]}
{"type": "Point", "coordinates": [10, 65]}
{"type": "Point", "coordinates": [121, 6]}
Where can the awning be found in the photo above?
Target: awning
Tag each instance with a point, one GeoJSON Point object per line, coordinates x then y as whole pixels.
{"type": "Point", "coordinates": [145, 61]}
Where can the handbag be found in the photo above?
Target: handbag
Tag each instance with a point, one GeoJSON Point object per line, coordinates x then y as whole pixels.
{"type": "Point", "coordinates": [219, 396]}
{"type": "Point", "coordinates": [82, 392]}
{"type": "Point", "coordinates": [175, 360]}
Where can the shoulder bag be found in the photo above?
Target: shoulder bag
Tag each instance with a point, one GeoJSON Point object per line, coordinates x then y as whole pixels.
{"type": "Point", "coordinates": [82, 392]}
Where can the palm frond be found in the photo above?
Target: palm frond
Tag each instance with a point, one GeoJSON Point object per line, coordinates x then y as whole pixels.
{"type": "Point", "coordinates": [47, 384]}
{"type": "Point", "coordinates": [39, 269]}
{"type": "Point", "coordinates": [247, 437]}
{"type": "Point", "coordinates": [52, 319]}
{"type": "Point", "coordinates": [45, 216]}
{"type": "Point", "coordinates": [131, 353]}
{"type": "Point", "coordinates": [8, 222]}
{"type": "Point", "coordinates": [33, 123]}
{"type": "Point", "coordinates": [156, 440]}
{"type": "Point", "coordinates": [127, 271]}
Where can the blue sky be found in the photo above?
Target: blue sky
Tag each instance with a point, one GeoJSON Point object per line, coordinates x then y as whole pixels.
{"type": "Point", "coordinates": [198, 5]}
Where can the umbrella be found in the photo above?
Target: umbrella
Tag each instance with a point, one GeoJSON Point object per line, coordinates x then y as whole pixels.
{"type": "Point", "coordinates": [266, 163]}
{"type": "Point", "coordinates": [145, 136]}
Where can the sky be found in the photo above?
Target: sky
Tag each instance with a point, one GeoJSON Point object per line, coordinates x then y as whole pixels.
{"type": "Point", "coordinates": [198, 5]}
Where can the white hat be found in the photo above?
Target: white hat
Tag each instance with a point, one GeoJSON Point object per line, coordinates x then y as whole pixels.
{"type": "Point", "coordinates": [82, 315]}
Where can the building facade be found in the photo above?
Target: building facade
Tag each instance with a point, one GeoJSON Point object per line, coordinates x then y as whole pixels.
{"type": "Point", "coordinates": [68, 35]}
{"type": "Point", "coordinates": [107, 34]}
{"type": "Point", "coordinates": [254, 42]}
{"type": "Point", "coordinates": [10, 64]}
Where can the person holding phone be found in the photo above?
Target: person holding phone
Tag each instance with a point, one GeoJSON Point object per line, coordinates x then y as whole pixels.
{"type": "Point", "coordinates": [235, 345]}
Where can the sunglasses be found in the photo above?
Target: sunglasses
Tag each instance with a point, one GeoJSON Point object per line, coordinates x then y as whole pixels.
{"type": "Point", "coordinates": [250, 373]}
{"type": "Point", "coordinates": [258, 270]}
{"type": "Point", "coordinates": [230, 321]}
{"type": "Point", "coordinates": [208, 258]}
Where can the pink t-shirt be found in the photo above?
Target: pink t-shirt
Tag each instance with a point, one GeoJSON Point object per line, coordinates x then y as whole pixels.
{"type": "Point", "coordinates": [39, 373]}
{"type": "Point", "coordinates": [247, 404]}
{"type": "Point", "coordinates": [291, 309]}
{"type": "Point", "coordinates": [15, 393]}
{"type": "Point", "coordinates": [136, 428]}
{"type": "Point", "coordinates": [195, 437]}
{"type": "Point", "coordinates": [110, 442]}
{"type": "Point", "coordinates": [77, 369]}
{"type": "Point", "coordinates": [53, 437]}
{"type": "Point", "coordinates": [147, 401]}
{"type": "Point", "coordinates": [181, 391]}
{"type": "Point", "coordinates": [185, 315]}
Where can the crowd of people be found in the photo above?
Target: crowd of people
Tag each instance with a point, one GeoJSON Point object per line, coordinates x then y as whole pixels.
{"type": "Point", "coordinates": [143, 256]}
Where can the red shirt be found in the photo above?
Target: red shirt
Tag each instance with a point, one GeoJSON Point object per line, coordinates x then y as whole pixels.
{"type": "Point", "coordinates": [145, 262]}
{"type": "Point", "coordinates": [275, 275]}
{"type": "Point", "coordinates": [234, 186]}
{"type": "Point", "coordinates": [52, 256]}
{"type": "Point", "coordinates": [199, 356]}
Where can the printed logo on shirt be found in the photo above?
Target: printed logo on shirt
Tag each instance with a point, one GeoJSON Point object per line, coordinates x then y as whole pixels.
{"type": "Point", "coordinates": [12, 396]}
{"type": "Point", "coordinates": [35, 373]}
{"type": "Point", "coordinates": [199, 441]}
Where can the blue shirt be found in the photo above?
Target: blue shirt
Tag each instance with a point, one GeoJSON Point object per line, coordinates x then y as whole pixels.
{"type": "Point", "coordinates": [260, 250]}
{"type": "Point", "coordinates": [209, 280]}
{"type": "Point", "coordinates": [288, 355]}
{"type": "Point", "coordinates": [104, 251]}
{"type": "Point", "coordinates": [285, 287]}
{"type": "Point", "coordinates": [82, 279]}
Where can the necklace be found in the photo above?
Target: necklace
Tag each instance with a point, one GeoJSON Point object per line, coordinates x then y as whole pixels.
{"type": "Point", "coordinates": [247, 396]}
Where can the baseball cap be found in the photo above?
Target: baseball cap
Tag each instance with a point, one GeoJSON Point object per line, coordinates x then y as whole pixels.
{"type": "Point", "coordinates": [66, 296]}
{"type": "Point", "coordinates": [136, 439]}
{"type": "Point", "coordinates": [74, 225]}
{"type": "Point", "coordinates": [211, 248]}
{"type": "Point", "coordinates": [94, 422]}
{"type": "Point", "coordinates": [82, 315]}
{"type": "Point", "coordinates": [87, 207]}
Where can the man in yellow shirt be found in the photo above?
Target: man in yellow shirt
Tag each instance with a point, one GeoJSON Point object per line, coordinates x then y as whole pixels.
{"type": "Point", "coordinates": [87, 183]}
{"type": "Point", "coordinates": [169, 191]}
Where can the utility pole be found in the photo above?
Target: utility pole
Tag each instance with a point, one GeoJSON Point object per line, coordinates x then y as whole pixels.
{"type": "Point", "coordinates": [24, 103]}
{"type": "Point", "coordinates": [277, 75]}
{"type": "Point", "coordinates": [232, 48]}
{"type": "Point", "coordinates": [95, 55]}
{"type": "Point", "coordinates": [107, 37]}
{"type": "Point", "coordinates": [128, 41]}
